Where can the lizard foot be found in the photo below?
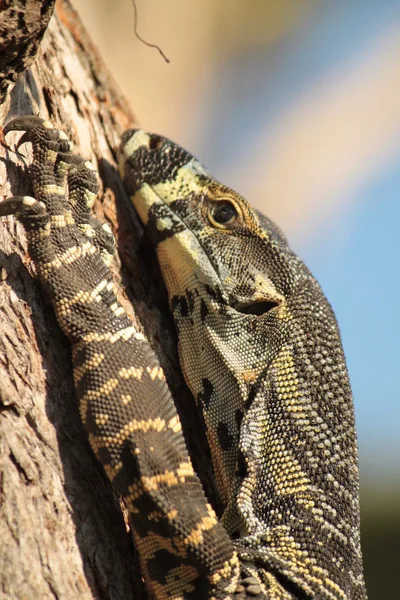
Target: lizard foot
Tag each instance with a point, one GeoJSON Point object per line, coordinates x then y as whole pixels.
{"type": "Point", "coordinates": [70, 248]}
{"type": "Point", "coordinates": [54, 165]}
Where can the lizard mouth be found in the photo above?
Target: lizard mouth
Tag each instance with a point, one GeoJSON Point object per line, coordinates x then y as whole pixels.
{"type": "Point", "coordinates": [257, 308]}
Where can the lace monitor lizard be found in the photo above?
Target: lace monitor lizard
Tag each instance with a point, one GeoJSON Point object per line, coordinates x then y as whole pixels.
{"type": "Point", "coordinates": [260, 350]}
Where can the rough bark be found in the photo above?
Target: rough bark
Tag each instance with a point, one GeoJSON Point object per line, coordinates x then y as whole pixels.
{"type": "Point", "coordinates": [22, 25]}
{"type": "Point", "coordinates": [62, 531]}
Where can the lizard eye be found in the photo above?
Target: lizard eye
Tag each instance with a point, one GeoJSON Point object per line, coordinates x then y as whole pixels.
{"type": "Point", "coordinates": [222, 214]}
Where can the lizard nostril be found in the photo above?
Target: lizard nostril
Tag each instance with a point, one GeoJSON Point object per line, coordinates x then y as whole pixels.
{"type": "Point", "coordinates": [155, 142]}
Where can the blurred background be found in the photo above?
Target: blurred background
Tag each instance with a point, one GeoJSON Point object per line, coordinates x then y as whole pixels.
{"type": "Point", "coordinates": [296, 104]}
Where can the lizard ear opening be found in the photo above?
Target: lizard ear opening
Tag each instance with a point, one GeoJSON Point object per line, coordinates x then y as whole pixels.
{"type": "Point", "coordinates": [258, 308]}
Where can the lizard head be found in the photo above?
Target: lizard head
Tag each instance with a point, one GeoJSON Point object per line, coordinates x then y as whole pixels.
{"type": "Point", "coordinates": [204, 232]}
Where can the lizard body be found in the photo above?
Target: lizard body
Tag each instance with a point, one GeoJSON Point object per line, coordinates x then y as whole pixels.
{"type": "Point", "coordinates": [260, 350]}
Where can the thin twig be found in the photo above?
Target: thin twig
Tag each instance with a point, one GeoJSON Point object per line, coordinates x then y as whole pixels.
{"type": "Point", "coordinates": [135, 17]}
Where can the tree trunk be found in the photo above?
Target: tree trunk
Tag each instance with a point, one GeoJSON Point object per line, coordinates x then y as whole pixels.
{"type": "Point", "coordinates": [62, 531]}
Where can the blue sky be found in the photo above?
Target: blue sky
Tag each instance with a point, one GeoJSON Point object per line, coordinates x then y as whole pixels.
{"type": "Point", "coordinates": [253, 87]}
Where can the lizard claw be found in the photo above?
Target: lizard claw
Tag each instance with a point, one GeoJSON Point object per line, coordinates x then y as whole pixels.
{"type": "Point", "coordinates": [22, 205]}
{"type": "Point", "coordinates": [33, 125]}
{"type": "Point", "coordinates": [250, 586]}
{"type": "Point", "coordinates": [24, 123]}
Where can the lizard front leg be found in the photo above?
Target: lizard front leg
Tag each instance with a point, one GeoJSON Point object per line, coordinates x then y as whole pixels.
{"type": "Point", "coordinates": [124, 400]}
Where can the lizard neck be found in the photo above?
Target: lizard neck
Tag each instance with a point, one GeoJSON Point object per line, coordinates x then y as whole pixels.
{"type": "Point", "coordinates": [221, 377]}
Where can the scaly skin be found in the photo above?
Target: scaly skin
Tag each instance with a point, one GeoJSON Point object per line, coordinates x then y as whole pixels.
{"type": "Point", "coordinates": [260, 350]}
